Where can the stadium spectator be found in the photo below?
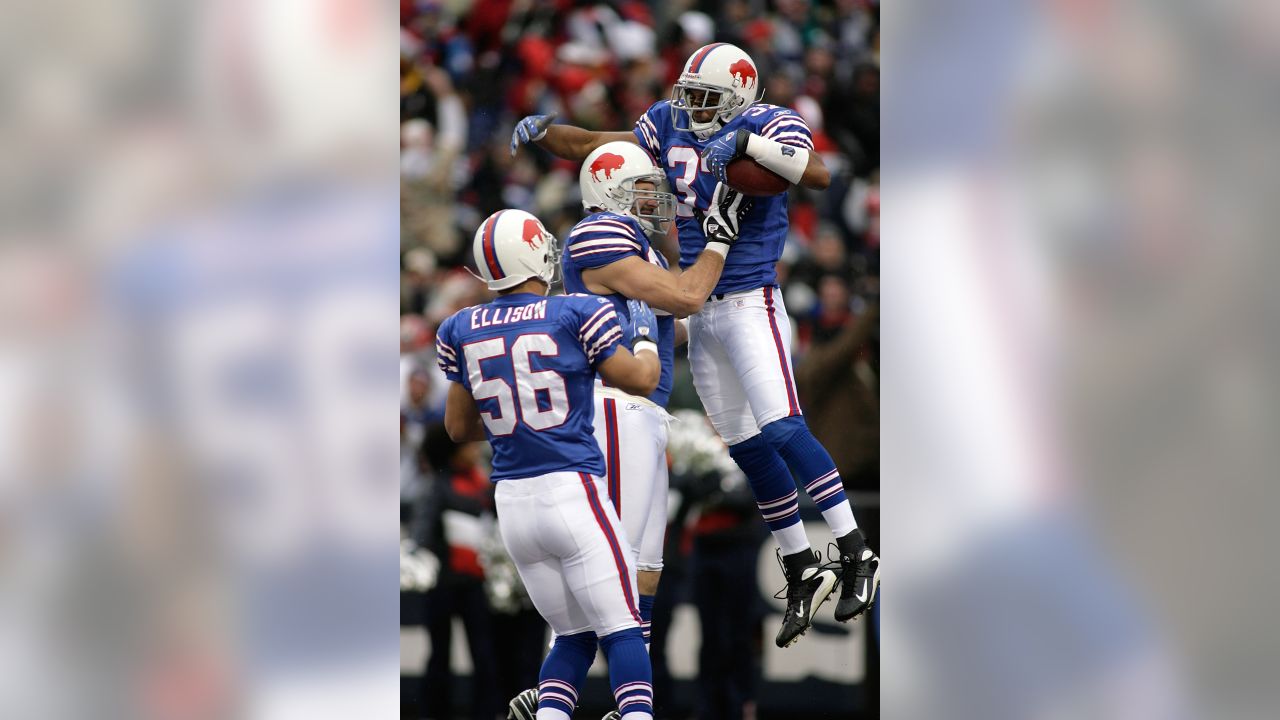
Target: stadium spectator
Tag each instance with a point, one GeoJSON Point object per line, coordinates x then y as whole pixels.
{"type": "Point", "coordinates": [449, 520]}
{"type": "Point", "coordinates": [838, 381]}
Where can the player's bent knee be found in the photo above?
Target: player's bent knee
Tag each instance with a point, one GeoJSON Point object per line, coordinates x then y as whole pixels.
{"type": "Point", "coordinates": [748, 448]}
{"type": "Point", "coordinates": [582, 644]}
{"type": "Point", "coordinates": [780, 432]}
{"type": "Point", "coordinates": [633, 634]}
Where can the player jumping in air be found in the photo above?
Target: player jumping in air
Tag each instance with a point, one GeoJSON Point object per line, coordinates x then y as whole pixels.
{"type": "Point", "coordinates": [739, 343]}
{"type": "Point", "coordinates": [523, 368]}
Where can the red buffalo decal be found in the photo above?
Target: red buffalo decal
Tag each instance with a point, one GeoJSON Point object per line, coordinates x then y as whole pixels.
{"type": "Point", "coordinates": [532, 234]}
{"type": "Point", "coordinates": [607, 162]}
{"type": "Point", "coordinates": [743, 70]}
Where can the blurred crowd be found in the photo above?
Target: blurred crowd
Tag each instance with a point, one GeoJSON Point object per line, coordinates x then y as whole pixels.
{"type": "Point", "coordinates": [470, 70]}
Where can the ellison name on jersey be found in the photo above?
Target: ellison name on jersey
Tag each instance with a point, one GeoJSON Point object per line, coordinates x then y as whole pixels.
{"type": "Point", "coordinates": [488, 317]}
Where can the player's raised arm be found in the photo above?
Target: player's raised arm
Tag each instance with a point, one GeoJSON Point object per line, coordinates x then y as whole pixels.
{"type": "Point", "coordinates": [566, 141]}
{"type": "Point", "coordinates": [684, 293]}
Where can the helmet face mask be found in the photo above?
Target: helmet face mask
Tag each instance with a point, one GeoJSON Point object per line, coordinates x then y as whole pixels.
{"type": "Point", "coordinates": [621, 177]}
{"type": "Point", "coordinates": [719, 81]}
{"type": "Point", "coordinates": [688, 98]}
{"type": "Point", "coordinates": [654, 207]}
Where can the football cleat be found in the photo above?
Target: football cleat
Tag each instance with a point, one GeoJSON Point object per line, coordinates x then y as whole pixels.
{"type": "Point", "coordinates": [859, 583]}
{"type": "Point", "coordinates": [523, 706]}
{"type": "Point", "coordinates": [808, 586]}
{"type": "Point", "coordinates": [611, 715]}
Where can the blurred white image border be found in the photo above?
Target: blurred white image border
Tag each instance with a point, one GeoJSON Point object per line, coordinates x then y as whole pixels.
{"type": "Point", "coordinates": [197, 292]}
{"type": "Point", "coordinates": [1079, 394]}
{"type": "Point", "coordinates": [198, 360]}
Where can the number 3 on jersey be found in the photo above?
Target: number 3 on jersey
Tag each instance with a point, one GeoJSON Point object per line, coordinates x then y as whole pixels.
{"type": "Point", "coordinates": [688, 174]}
{"type": "Point", "coordinates": [528, 383]}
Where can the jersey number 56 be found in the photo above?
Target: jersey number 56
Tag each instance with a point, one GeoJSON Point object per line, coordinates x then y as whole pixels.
{"type": "Point", "coordinates": [528, 383]}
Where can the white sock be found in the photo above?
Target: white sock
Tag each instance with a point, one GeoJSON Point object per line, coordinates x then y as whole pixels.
{"type": "Point", "coordinates": [551, 714]}
{"type": "Point", "coordinates": [792, 539]}
{"type": "Point", "coordinates": [840, 519]}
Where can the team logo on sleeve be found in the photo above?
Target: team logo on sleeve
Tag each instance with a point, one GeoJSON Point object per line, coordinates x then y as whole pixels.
{"type": "Point", "coordinates": [532, 234]}
{"type": "Point", "coordinates": [742, 70]}
{"type": "Point", "coordinates": [607, 163]}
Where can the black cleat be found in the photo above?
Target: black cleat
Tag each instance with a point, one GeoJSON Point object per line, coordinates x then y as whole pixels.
{"type": "Point", "coordinates": [808, 586]}
{"type": "Point", "coordinates": [611, 715]}
{"type": "Point", "coordinates": [523, 706]}
{"type": "Point", "coordinates": [859, 583]}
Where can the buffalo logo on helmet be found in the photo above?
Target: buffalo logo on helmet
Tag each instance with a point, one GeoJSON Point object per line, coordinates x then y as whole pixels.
{"type": "Point", "coordinates": [532, 234]}
{"type": "Point", "coordinates": [741, 70]}
{"type": "Point", "coordinates": [607, 162]}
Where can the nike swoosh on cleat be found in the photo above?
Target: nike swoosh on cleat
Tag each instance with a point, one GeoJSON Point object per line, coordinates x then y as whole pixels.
{"type": "Point", "coordinates": [862, 596]}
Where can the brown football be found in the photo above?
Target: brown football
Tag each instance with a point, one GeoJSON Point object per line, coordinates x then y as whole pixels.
{"type": "Point", "coordinates": [752, 178]}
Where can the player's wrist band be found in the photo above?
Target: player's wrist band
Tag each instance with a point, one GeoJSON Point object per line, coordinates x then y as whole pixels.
{"type": "Point", "coordinates": [786, 160]}
{"type": "Point", "coordinates": [717, 247]}
{"type": "Point", "coordinates": [643, 344]}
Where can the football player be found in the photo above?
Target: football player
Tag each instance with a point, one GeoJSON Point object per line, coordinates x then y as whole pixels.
{"type": "Point", "coordinates": [739, 343]}
{"type": "Point", "coordinates": [522, 369]}
{"type": "Point", "coordinates": [609, 254]}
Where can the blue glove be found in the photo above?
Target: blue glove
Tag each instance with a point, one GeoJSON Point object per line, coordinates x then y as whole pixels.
{"type": "Point", "coordinates": [531, 128]}
{"type": "Point", "coordinates": [644, 325]}
{"type": "Point", "coordinates": [724, 150]}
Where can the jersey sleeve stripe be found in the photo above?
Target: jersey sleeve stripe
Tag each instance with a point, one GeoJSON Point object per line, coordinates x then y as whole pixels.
{"type": "Point", "coordinates": [605, 341]}
{"type": "Point", "coordinates": [648, 135]}
{"type": "Point", "coordinates": [604, 309]}
{"type": "Point", "coordinates": [794, 138]}
{"type": "Point", "coordinates": [595, 328]}
{"type": "Point", "coordinates": [602, 225]}
{"type": "Point", "coordinates": [445, 349]}
{"type": "Point", "coordinates": [598, 251]}
{"type": "Point", "coordinates": [786, 127]}
{"type": "Point", "coordinates": [784, 117]}
{"type": "Point", "coordinates": [586, 241]}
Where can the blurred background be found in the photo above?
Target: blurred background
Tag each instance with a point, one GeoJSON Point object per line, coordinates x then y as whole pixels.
{"type": "Point", "coordinates": [468, 72]}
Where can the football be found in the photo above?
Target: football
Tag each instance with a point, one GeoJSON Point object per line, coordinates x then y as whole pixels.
{"type": "Point", "coordinates": [751, 178]}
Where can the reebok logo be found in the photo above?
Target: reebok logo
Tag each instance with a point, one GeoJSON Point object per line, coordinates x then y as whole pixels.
{"type": "Point", "coordinates": [788, 151]}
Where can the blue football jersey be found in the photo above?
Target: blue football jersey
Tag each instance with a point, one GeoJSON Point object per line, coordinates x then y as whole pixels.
{"type": "Point", "coordinates": [529, 361]}
{"type": "Point", "coordinates": [764, 228]}
{"type": "Point", "coordinates": [605, 238]}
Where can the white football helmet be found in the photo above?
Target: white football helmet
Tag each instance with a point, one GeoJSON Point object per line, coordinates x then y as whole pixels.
{"type": "Point", "coordinates": [512, 246]}
{"type": "Point", "coordinates": [718, 77]}
{"type": "Point", "coordinates": [608, 182]}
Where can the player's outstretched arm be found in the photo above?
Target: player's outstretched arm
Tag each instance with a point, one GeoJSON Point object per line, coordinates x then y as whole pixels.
{"type": "Point", "coordinates": [679, 293]}
{"type": "Point", "coordinates": [461, 416]}
{"type": "Point", "coordinates": [566, 141]}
